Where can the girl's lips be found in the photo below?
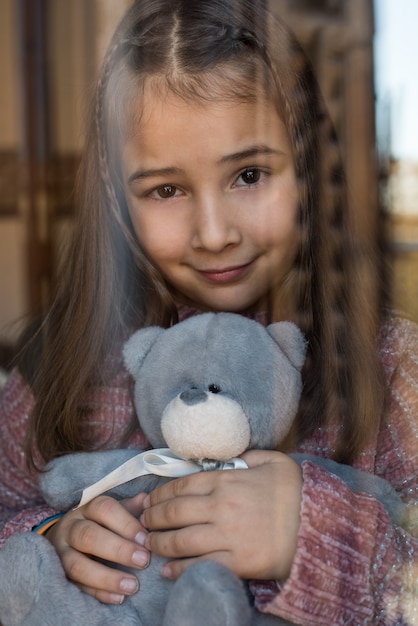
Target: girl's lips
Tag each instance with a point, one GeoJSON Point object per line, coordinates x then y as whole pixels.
{"type": "Point", "coordinates": [225, 275]}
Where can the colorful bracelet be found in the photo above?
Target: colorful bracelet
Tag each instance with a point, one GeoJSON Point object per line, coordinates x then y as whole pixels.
{"type": "Point", "coordinates": [40, 529]}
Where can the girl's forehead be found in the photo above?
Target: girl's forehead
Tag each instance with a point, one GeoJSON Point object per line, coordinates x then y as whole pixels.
{"type": "Point", "coordinates": [153, 103]}
{"type": "Point", "coordinates": [171, 130]}
{"type": "Point", "coordinates": [226, 83]}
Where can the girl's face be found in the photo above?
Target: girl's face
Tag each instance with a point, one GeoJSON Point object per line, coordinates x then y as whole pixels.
{"type": "Point", "coordinates": [212, 194]}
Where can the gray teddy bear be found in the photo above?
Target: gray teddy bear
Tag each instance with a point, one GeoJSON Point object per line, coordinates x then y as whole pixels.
{"type": "Point", "coordinates": [208, 389]}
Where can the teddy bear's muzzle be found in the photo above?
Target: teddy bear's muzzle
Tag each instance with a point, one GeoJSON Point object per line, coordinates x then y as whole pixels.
{"type": "Point", "coordinates": [200, 424]}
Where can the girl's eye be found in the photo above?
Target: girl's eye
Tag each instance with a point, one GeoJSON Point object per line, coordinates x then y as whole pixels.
{"type": "Point", "coordinates": [249, 176]}
{"type": "Point", "coordinates": [165, 191]}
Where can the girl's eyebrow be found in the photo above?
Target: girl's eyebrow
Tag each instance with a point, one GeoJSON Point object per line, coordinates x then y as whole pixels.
{"type": "Point", "coordinates": [229, 158]}
{"type": "Point", "coordinates": [248, 153]}
{"type": "Point", "coordinates": [162, 171]}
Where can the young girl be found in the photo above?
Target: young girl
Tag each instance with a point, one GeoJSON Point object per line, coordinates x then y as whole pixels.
{"type": "Point", "coordinates": [206, 186]}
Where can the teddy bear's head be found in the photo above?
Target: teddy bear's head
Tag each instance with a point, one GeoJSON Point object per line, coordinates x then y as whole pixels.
{"type": "Point", "coordinates": [216, 384]}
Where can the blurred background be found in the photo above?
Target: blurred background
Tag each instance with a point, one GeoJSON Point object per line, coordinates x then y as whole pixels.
{"type": "Point", "coordinates": [365, 54]}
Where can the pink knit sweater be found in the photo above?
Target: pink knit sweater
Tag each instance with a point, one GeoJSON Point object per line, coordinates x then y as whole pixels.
{"type": "Point", "coordinates": [352, 566]}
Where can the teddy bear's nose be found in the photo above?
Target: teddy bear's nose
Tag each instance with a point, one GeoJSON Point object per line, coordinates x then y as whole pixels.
{"type": "Point", "coordinates": [193, 396]}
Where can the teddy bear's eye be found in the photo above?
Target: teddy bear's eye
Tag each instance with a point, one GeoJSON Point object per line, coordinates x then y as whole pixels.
{"type": "Point", "coordinates": [214, 389]}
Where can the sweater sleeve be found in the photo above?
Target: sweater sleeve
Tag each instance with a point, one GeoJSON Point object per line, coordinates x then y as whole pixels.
{"type": "Point", "coordinates": [21, 504]}
{"type": "Point", "coordinates": [352, 565]}
{"type": "Point", "coordinates": [109, 413]}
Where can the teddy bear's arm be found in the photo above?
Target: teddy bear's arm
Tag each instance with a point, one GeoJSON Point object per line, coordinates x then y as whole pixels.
{"type": "Point", "coordinates": [360, 481]}
{"type": "Point", "coordinates": [65, 477]}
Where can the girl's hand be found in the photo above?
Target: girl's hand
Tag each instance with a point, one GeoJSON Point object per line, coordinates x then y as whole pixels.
{"type": "Point", "coordinates": [106, 529]}
{"type": "Point", "coordinates": [246, 519]}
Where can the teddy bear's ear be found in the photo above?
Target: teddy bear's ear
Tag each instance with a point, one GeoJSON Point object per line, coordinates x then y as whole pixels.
{"type": "Point", "coordinates": [291, 341]}
{"type": "Point", "coordinates": [138, 345]}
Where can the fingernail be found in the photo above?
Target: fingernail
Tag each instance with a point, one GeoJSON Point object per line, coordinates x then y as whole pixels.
{"type": "Point", "coordinates": [128, 585]}
{"type": "Point", "coordinates": [140, 558]}
{"type": "Point", "coordinates": [116, 598]}
{"type": "Point", "coordinates": [140, 538]}
{"type": "Point", "coordinates": [146, 502]}
{"type": "Point", "coordinates": [166, 571]}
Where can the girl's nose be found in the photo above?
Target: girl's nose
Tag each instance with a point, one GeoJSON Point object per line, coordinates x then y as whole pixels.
{"type": "Point", "coordinates": [216, 224]}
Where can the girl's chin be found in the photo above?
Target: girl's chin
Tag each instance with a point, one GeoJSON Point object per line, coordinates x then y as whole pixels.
{"type": "Point", "coordinates": [222, 306]}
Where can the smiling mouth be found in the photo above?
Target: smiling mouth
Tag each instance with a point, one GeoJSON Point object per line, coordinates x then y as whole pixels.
{"type": "Point", "coordinates": [227, 274]}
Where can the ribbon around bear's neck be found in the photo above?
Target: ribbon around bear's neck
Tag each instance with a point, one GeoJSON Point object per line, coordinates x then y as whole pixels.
{"type": "Point", "coordinates": [161, 462]}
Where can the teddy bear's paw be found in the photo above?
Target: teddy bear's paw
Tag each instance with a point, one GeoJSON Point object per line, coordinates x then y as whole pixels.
{"type": "Point", "coordinates": [208, 593]}
{"type": "Point", "coordinates": [34, 590]}
{"type": "Point", "coordinates": [21, 561]}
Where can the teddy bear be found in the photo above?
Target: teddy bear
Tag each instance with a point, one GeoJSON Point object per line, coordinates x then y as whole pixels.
{"type": "Point", "coordinates": [206, 390]}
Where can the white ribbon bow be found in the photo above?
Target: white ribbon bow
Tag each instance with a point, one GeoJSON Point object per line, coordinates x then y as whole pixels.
{"type": "Point", "coordinates": [161, 462]}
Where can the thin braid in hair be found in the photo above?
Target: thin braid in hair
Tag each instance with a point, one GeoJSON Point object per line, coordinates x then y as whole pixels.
{"type": "Point", "coordinates": [334, 320]}
{"type": "Point", "coordinates": [143, 264]}
{"type": "Point", "coordinates": [107, 68]}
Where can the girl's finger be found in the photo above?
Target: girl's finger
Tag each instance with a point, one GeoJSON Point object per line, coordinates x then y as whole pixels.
{"type": "Point", "coordinates": [193, 485]}
{"type": "Point", "coordinates": [176, 513]}
{"type": "Point", "coordinates": [193, 541]}
{"type": "Point", "coordinates": [98, 579]}
{"type": "Point", "coordinates": [174, 569]}
{"type": "Point", "coordinates": [89, 538]}
{"type": "Point", "coordinates": [134, 505]}
{"type": "Point", "coordinates": [254, 458]}
{"type": "Point", "coordinates": [200, 484]}
{"type": "Point", "coordinates": [104, 596]}
{"type": "Point", "coordinates": [114, 516]}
